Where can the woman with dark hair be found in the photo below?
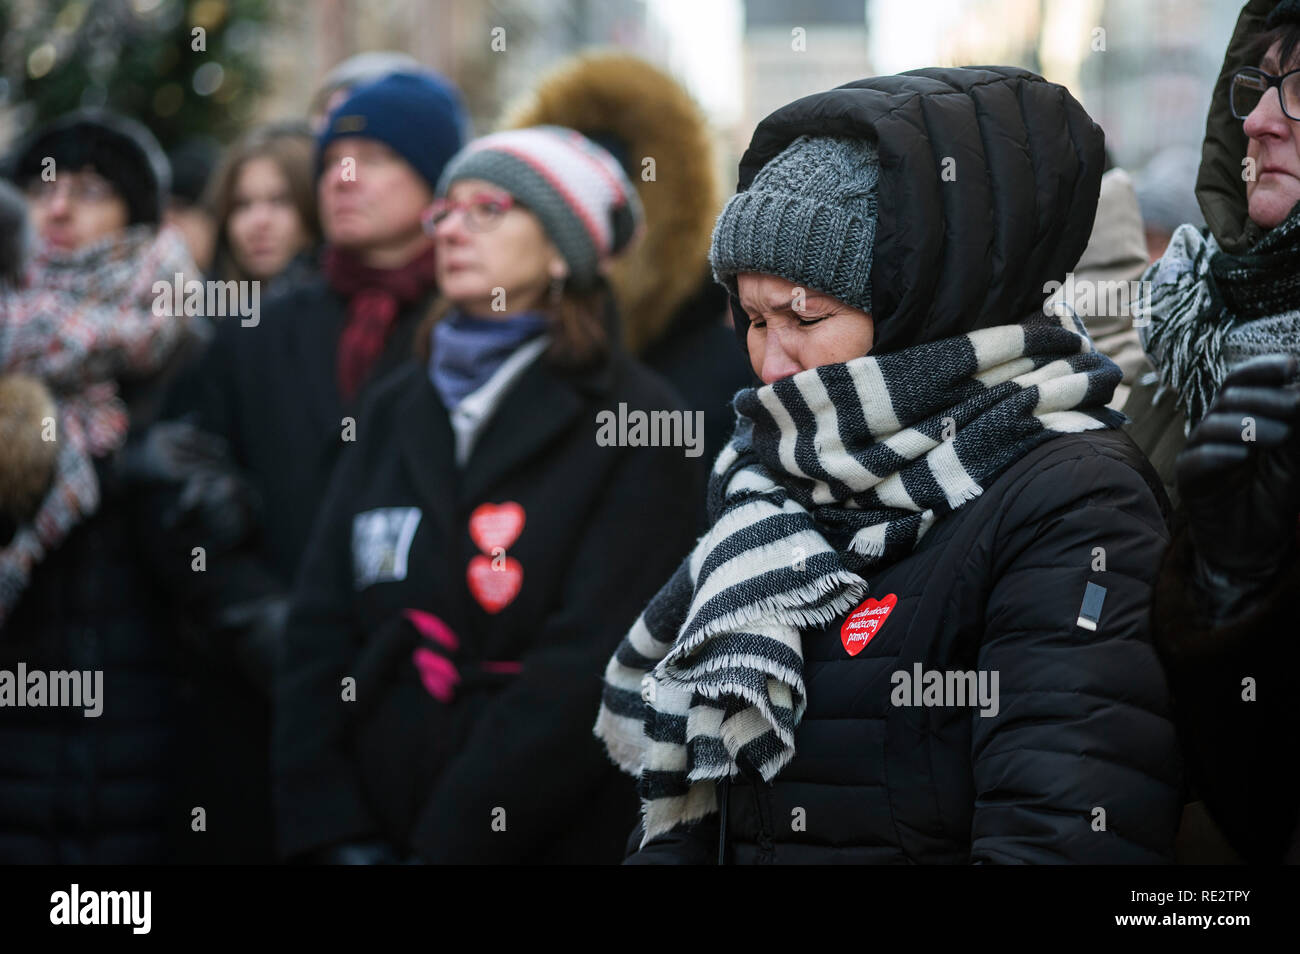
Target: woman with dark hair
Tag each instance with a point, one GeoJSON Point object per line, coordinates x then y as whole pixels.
{"type": "Point", "coordinates": [916, 629]}
{"type": "Point", "coordinates": [674, 316]}
{"type": "Point", "coordinates": [481, 549]}
{"type": "Point", "coordinates": [263, 197]}
{"type": "Point", "coordinates": [1222, 425]}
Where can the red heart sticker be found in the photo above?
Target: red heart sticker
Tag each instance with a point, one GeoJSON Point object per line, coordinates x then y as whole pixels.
{"type": "Point", "coordinates": [495, 588]}
{"type": "Point", "coordinates": [496, 525]}
{"type": "Point", "coordinates": [864, 622]}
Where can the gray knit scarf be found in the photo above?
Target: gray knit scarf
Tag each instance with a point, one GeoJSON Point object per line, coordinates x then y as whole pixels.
{"type": "Point", "coordinates": [831, 473]}
{"type": "Point", "coordinates": [1211, 310]}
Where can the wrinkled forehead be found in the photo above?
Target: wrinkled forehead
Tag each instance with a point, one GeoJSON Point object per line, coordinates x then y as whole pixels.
{"type": "Point", "coordinates": [773, 292]}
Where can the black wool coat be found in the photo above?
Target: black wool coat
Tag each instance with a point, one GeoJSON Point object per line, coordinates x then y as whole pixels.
{"type": "Point", "coordinates": [270, 391]}
{"type": "Point", "coordinates": [1083, 718]}
{"type": "Point", "coordinates": [507, 768]}
{"type": "Point", "coordinates": [104, 789]}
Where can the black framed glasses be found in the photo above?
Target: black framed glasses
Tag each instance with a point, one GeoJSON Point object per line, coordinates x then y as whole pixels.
{"type": "Point", "coordinates": [1250, 84]}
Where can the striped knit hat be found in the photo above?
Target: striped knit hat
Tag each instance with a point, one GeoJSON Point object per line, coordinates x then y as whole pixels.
{"type": "Point", "coordinates": [577, 189]}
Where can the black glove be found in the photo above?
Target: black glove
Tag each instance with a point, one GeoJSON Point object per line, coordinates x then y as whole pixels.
{"type": "Point", "coordinates": [1242, 497]}
{"type": "Point", "coordinates": [370, 852]}
{"type": "Point", "coordinates": [170, 451]}
{"type": "Point", "coordinates": [212, 495]}
{"type": "Point", "coordinates": [256, 634]}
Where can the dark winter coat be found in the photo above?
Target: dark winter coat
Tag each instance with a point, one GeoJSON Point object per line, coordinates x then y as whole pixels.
{"type": "Point", "coordinates": [1237, 706]}
{"type": "Point", "coordinates": [601, 528]}
{"type": "Point", "coordinates": [105, 789]}
{"type": "Point", "coordinates": [269, 392]}
{"type": "Point", "coordinates": [1079, 763]}
{"type": "Point", "coordinates": [1083, 720]}
{"type": "Point", "coordinates": [1232, 746]}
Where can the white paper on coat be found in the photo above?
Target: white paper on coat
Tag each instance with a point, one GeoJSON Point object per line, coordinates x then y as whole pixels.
{"type": "Point", "coordinates": [381, 542]}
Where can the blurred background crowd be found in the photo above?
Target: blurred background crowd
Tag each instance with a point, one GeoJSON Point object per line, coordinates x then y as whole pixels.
{"type": "Point", "coordinates": [264, 60]}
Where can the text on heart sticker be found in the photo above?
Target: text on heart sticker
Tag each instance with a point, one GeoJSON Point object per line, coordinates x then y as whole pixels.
{"type": "Point", "coordinates": [494, 587]}
{"type": "Point", "coordinates": [864, 622]}
{"type": "Point", "coordinates": [496, 525]}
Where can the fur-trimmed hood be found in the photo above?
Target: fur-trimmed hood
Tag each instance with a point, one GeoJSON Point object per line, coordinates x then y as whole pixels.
{"type": "Point", "coordinates": [640, 112]}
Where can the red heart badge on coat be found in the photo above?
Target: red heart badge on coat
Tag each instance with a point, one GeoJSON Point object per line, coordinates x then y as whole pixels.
{"type": "Point", "coordinates": [494, 587]}
{"type": "Point", "coordinates": [864, 622]}
{"type": "Point", "coordinates": [496, 525]}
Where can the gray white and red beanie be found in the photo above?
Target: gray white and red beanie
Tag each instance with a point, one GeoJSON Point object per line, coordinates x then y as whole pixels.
{"type": "Point", "coordinates": [578, 191]}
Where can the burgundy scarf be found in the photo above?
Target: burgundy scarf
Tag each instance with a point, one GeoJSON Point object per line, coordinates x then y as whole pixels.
{"type": "Point", "coordinates": [375, 295]}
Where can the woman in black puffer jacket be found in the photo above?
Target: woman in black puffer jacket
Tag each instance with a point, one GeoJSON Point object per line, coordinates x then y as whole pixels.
{"type": "Point", "coordinates": [916, 631]}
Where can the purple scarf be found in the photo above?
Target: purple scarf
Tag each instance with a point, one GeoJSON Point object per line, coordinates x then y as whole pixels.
{"type": "Point", "coordinates": [468, 350]}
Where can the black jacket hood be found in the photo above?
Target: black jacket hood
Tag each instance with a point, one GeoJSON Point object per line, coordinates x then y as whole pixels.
{"type": "Point", "coordinates": [1220, 188]}
{"type": "Point", "coordinates": [970, 243]}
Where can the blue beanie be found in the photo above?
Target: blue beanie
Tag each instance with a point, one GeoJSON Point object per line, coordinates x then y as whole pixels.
{"type": "Point", "coordinates": [419, 117]}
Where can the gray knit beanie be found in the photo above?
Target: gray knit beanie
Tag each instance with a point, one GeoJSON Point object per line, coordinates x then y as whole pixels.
{"type": "Point", "coordinates": [809, 217]}
{"type": "Point", "coordinates": [577, 190]}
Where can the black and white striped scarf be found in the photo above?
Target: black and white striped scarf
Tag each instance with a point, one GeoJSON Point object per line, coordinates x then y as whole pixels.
{"type": "Point", "coordinates": [831, 473]}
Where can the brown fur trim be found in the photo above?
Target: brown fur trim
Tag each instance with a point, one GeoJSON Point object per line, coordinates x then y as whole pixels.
{"type": "Point", "coordinates": [26, 459]}
{"type": "Point", "coordinates": [1181, 630]}
{"type": "Point", "coordinates": [609, 92]}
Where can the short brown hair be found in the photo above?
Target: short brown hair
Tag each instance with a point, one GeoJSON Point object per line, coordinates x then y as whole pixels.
{"type": "Point", "coordinates": [580, 327]}
{"type": "Point", "coordinates": [291, 147]}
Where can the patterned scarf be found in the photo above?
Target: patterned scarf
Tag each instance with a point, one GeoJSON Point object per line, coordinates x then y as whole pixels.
{"type": "Point", "coordinates": [375, 296]}
{"type": "Point", "coordinates": [1210, 311]}
{"type": "Point", "coordinates": [831, 473]}
{"type": "Point", "coordinates": [85, 320]}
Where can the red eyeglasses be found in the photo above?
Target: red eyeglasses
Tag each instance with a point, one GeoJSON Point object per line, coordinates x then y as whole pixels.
{"type": "Point", "coordinates": [482, 212]}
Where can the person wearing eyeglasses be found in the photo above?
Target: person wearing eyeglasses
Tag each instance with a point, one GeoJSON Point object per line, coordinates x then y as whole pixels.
{"type": "Point", "coordinates": [280, 392]}
{"type": "Point", "coordinates": [1221, 423]}
{"type": "Point", "coordinates": [486, 544]}
{"type": "Point", "coordinates": [85, 356]}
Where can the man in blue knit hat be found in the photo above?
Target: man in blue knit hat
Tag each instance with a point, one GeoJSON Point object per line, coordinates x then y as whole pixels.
{"type": "Point", "coordinates": [284, 392]}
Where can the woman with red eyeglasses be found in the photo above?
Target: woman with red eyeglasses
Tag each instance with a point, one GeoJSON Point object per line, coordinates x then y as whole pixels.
{"type": "Point", "coordinates": [486, 543]}
{"type": "Point", "coordinates": [1221, 423]}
